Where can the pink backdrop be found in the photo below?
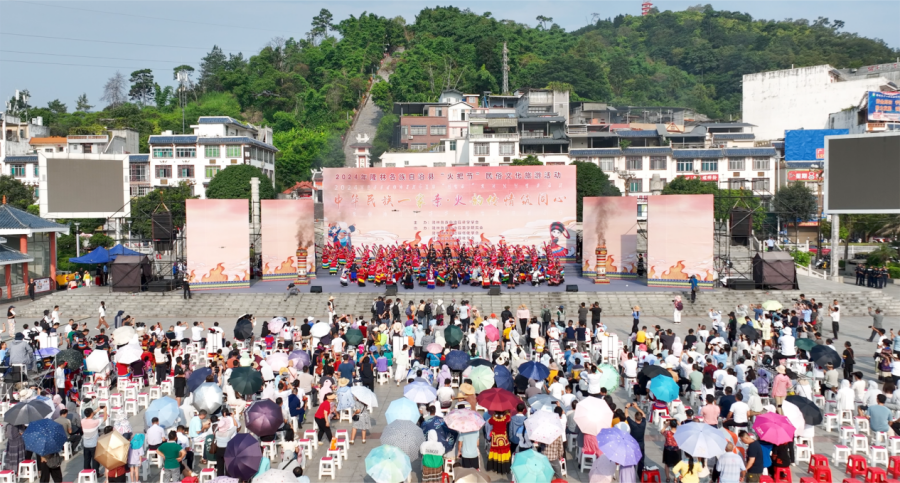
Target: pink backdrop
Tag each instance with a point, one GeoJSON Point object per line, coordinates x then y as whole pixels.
{"type": "Point", "coordinates": [680, 240]}
{"type": "Point", "coordinates": [218, 243]}
{"type": "Point", "coordinates": [613, 219]}
{"type": "Point", "coordinates": [384, 206]}
{"type": "Point", "coordinates": [285, 226]}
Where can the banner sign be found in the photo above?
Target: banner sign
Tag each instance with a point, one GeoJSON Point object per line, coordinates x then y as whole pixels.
{"type": "Point", "coordinates": [674, 257]}
{"type": "Point", "coordinates": [218, 251]}
{"type": "Point", "coordinates": [884, 106]}
{"type": "Point", "coordinates": [804, 175]}
{"type": "Point", "coordinates": [703, 177]}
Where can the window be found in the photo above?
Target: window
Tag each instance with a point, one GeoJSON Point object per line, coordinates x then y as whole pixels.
{"type": "Point", "coordinates": [482, 149]}
{"type": "Point", "coordinates": [212, 151]}
{"type": "Point", "coordinates": [140, 190]}
{"type": "Point", "coordinates": [186, 171]}
{"type": "Point", "coordinates": [418, 147]}
{"type": "Point", "coordinates": [186, 152]}
{"type": "Point", "coordinates": [418, 130]}
{"type": "Point", "coordinates": [37, 170]}
{"type": "Point", "coordinates": [709, 165]}
{"type": "Point", "coordinates": [404, 131]}
{"type": "Point", "coordinates": [634, 163]}
{"type": "Point", "coordinates": [233, 152]}
{"type": "Point", "coordinates": [48, 150]}
{"type": "Point", "coordinates": [736, 183]}
{"type": "Point", "coordinates": [507, 149]}
{"type": "Point", "coordinates": [438, 130]}
{"type": "Point", "coordinates": [735, 164]}
{"type": "Point", "coordinates": [657, 162]}
{"type": "Point", "coordinates": [685, 165]}
{"type": "Point", "coordinates": [17, 170]}
{"type": "Point", "coordinates": [88, 148]}
{"type": "Point", "coordinates": [439, 112]}
{"type": "Point", "coordinates": [452, 145]}
{"type": "Point", "coordinates": [760, 184]}
{"type": "Point", "coordinates": [163, 172]}
{"type": "Point", "coordinates": [211, 171]}
{"type": "Point", "coordinates": [60, 149]}
{"type": "Point", "coordinates": [607, 165]}
{"type": "Point", "coordinates": [760, 164]}
{"type": "Point", "coordinates": [162, 152]}
{"type": "Point", "coordinates": [139, 172]}
{"type": "Point", "coordinates": [636, 185]}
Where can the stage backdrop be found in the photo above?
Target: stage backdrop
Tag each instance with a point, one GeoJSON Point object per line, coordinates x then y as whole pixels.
{"type": "Point", "coordinates": [612, 220]}
{"type": "Point", "coordinates": [218, 244]}
{"type": "Point", "coordinates": [287, 225]}
{"type": "Point", "coordinates": [680, 240]}
{"type": "Point", "coordinates": [528, 205]}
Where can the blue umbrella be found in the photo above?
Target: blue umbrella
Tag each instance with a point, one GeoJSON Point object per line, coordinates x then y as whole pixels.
{"type": "Point", "coordinates": [197, 378]}
{"type": "Point", "coordinates": [402, 408]}
{"type": "Point", "coordinates": [47, 352]}
{"type": "Point", "coordinates": [478, 362]}
{"type": "Point", "coordinates": [420, 393]}
{"type": "Point", "coordinates": [164, 408]}
{"type": "Point", "coordinates": [531, 466]}
{"type": "Point", "coordinates": [541, 401]}
{"type": "Point", "coordinates": [664, 388]}
{"type": "Point", "coordinates": [445, 435]}
{"type": "Point", "coordinates": [534, 370]}
{"type": "Point", "coordinates": [619, 446]}
{"type": "Point", "coordinates": [456, 360]}
{"type": "Point", "coordinates": [503, 378]}
{"type": "Point", "coordinates": [44, 437]}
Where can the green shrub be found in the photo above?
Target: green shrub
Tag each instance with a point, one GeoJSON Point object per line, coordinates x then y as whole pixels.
{"type": "Point", "coordinates": [802, 258]}
{"type": "Point", "coordinates": [894, 272]}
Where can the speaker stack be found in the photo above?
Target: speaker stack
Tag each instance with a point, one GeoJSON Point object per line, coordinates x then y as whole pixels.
{"type": "Point", "coordinates": [741, 225]}
{"type": "Point", "coordinates": [161, 230]}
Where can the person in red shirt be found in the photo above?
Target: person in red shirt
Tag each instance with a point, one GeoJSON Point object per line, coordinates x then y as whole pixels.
{"type": "Point", "coordinates": [323, 418]}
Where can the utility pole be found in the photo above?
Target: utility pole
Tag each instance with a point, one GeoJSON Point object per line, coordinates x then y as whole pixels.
{"type": "Point", "coordinates": [505, 69]}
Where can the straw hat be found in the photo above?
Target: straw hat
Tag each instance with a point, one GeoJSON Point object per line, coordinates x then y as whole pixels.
{"type": "Point", "coordinates": [342, 382]}
{"type": "Point", "coordinates": [331, 395]}
{"type": "Point", "coordinates": [779, 369]}
{"type": "Point", "coordinates": [331, 298]}
{"type": "Point", "coordinates": [467, 389]}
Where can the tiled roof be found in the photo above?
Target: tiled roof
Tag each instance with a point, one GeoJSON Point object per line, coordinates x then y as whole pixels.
{"type": "Point", "coordinates": [139, 158]}
{"type": "Point", "coordinates": [697, 153]}
{"type": "Point", "coordinates": [596, 152]}
{"type": "Point", "coordinates": [224, 120]}
{"type": "Point", "coordinates": [237, 140]}
{"type": "Point", "coordinates": [750, 152]}
{"type": "Point", "coordinates": [649, 151]}
{"type": "Point", "coordinates": [541, 119]}
{"type": "Point", "coordinates": [734, 135]}
{"type": "Point", "coordinates": [637, 134]}
{"type": "Point", "coordinates": [48, 140]}
{"type": "Point", "coordinates": [778, 144]}
{"type": "Point", "coordinates": [14, 221]}
{"type": "Point", "coordinates": [541, 141]}
{"type": "Point", "coordinates": [9, 256]}
{"type": "Point", "coordinates": [21, 159]}
{"type": "Point", "coordinates": [175, 139]}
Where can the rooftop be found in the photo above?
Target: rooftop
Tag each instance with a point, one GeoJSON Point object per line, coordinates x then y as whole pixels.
{"type": "Point", "coordinates": [14, 221]}
{"type": "Point", "coordinates": [10, 256]}
{"type": "Point", "coordinates": [224, 120]}
{"type": "Point", "coordinates": [48, 140]}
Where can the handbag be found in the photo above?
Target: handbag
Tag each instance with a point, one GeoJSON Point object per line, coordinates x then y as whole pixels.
{"type": "Point", "coordinates": [356, 417]}
{"type": "Point", "coordinates": [213, 447]}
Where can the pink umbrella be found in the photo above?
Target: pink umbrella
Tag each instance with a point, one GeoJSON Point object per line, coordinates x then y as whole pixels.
{"type": "Point", "coordinates": [464, 420]}
{"type": "Point", "coordinates": [434, 348]}
{"type": "Point", "coordinates": [491, 332]}
{"type": "Point", "coordinates": [593, 415]}
{"type": "Point", "coordinates": [276, 324]}
{"type": "Point", "coordinates": [277, 361]}
{"type": "Point", "coordinates": [774, 428]}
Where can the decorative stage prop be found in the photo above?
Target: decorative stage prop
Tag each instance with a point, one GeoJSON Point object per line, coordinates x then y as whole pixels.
{"type": "Point", "coordinates": [609, 237]}
{"type": "Point", "coordinates": [517, 205]}
{"type": "Point", "coordinates": [218, 244]}
{"type": "Point", "coordinates": [288, 234]}
{"type": "Point", "coordinates": [680, 243]}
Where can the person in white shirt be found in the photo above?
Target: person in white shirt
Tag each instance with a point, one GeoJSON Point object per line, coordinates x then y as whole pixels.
{"type": "Point", "coordinates": [593, 380]}
{"type": "Point", "coordinates": [179, 331]}
{"type": "Point", "coordinates": [445, 394]}
{"type": "Point", "coordinates": [156, 435]}
{"type": "Point", "coordinates": [337, 345]}
{"type": "Point", "coordinates": [730, 380]}
{"type": "Point", "coordinates": [739, 414]}
{"type": "Point", "coordinates": [630, 366]}
{"type": "Point", "coordinates": [703, 334]}
{"type": "Point", "coordinates": [567, 398]}
{"type": "Point", "coordinates": [59, 378]}
{"type": "Point", "coordinates": [102, 319]}
{"type": "Point", "coordinates": [557, 389]}
{"type": "Point", "coordinates": [54, 316]}
{"type": "Point", "coordinates": [786, 344]}
{"type": "Point", "coordinates": [534, 331]}
{"type": "Point", "coordinates": [197, 333]}
{"type": "Point", "coordinates": [719, 376]}
{"type": "Point", "coordinates": [43, 339]}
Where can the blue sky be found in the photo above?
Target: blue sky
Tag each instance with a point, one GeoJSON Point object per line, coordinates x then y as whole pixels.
{"type": "Point", "coordinates": [184, 31]}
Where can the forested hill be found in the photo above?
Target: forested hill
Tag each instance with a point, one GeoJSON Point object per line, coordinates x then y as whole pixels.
{"type": "Point", "coordinates": [307, 87]}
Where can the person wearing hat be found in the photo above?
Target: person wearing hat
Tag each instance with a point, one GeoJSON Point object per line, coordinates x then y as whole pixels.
{"type": "Point", "coordinates": [780, 386]}
{"type": "Point", "coordinates": [329, 307]}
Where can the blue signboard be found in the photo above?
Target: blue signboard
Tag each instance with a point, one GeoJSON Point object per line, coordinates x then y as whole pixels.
{"type": "Point", "coordinates": [808, 144]}
{"type": "Point", "coordinates": [884, 106]}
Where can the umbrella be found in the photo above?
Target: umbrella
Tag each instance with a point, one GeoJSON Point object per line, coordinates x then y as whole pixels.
{"type": "Point", "coordinates": [469, 475]}
{"type": "Point", "coordinates": [264, 418]}
{"type": "Point", "coordinates": [47, 352]}
{"type": "Point", "coordinates": [593, 415]}
{"type": "Point", "coordinates": [300, 359]}
{"type": "Point", "coordinates": [700, 440]}
{"type": "Point", "coordinates": [482, 378]}
{"type": "Point", "coordinates": [492, 333]}
{"type": "Point", "coordinates": [26, 413]}
{"type": "Point", "coordinates": [164, 408]}
{"type": "Point", "coordinates": [812, 415]}
{"type": "Point", "coordinates": [243, 330]}
{"type": "Point", "coordinates": [275, 476]}
{"type": "Point", "coordinates": [503, 378]}
{"type": "Point", "coordinates": [805, 344]}
{"type": "Point", "coordinates": [44, 437]}
{"type": "Point", "coordinates": [245, 380]}
{"type": "Point", "coordinates": [98, 361]}
{"type": "Point", "coordinates": [434, 348]}
{"type": "Point", "coordinates": [388, 464]}
{"type": "Point", "coordinates": [773, 428]}
{"type": "Point", "coordinates": [365, 396]}
{"type": "Point", "coordinates": [446, 436]}
{"type": "Point", "coordinates": [277, 361]}
{"type": "Point", "coordinates": [243, 456]}
{"type": "Point", "coordinates": [456, 360]}
{"type": "Point", "coordinates": [823, 355]}
{"type": "Point", "coordinates": [127, 354]}
{"type": "Point", "coordinates": [453, 335]}
{"type": "Point", "coordinates": [224, 479]}
{"type": "Point", "coordinates": [534, 370]}
{"type": "Point", "coordinates": [353, 336]}
{"type": "Point", "coordinates": [464, 420]}
{"type": "Point", "coordinates": [664, 388]}
{"type": "Point", "coordinates": [72, 357]}
{"type": "Point", "coordinates": [123, 335]}
{"type": "Point", "coordinates": [112, 450]}
{"type": "Point", "coordinates": [771, 305]}
{"type": "Point", "coordinates": [602, 470]}
{"type": "Point", "coordinates": [478, 362]}
{"type": "Point", "coordinates": [404, 435]}
{"type": "Point", "coordinates": [345, 399]}
{"type": "Point", "coordinates": [420, 393]}
{"type": "Point", "coordinates": [531, 466]}
{"type": "Point", "coordinates": [197, 378]}
{"type": "Point", "coordinates": [542, 401]}
{"type": "Point", "coordinates": [749, 332]}
{"type": "Point", "coordinates": [653, 370]}
{"type": "Point", "coordinates": [619, 446]}
{"type": "Point", "coordinates": [609, 378]}
{"type": "Point", "coordinates": [496, 399]}
{"type": "Point", "coordinates": [276, 324]}
{"type": "Point", "coordinates": [402, 408]}
{"type": "Point", "coordinates": [320, 329]}
{"type": "Point", "coordinates": [792, 412]}
{"type": "Point", "coordinates": [208, 396]}
{"type": "Point", "coordinates": [543, 427]}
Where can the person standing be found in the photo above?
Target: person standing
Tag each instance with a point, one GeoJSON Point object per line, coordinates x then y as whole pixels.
{"type": "Point", "coordinates": [186, 288]}
{"type": "Point", "coordinates": [679, 306]}
{"type": "Point", "coordinates": [31, 290]}
{"type": "Point", "coordinates": [172, 453]}
{"type": "Point", "coordinates": [323, 418]}
{"type": "Point", "coordinates": [468, 451]}
{"type": "Point", "coordinates": [10, 323]}
{"type": "Point", "coordinates": [754, 453]}
{"type": "Point", "coordinates": [432, 458]}
{"type": "Point", "coordinates": [102, 319]}
{"type": "Point", "coordinates": [224, 432]}
{"type": "Point", "coordinates": [731, 466]}
{"type": "Point", "coordinates": [330, 308]}
{"type": "Point", "coordinates": [499, 456]}
{"type": "Point", "coordinates": [877, 323]}
{"type": "Point", "coordinates": [835, 318]}
{"type": "Point", "coordinates": [637, 426]}
{"type": "Point", "coordinates": [582, 314]}
{"type": "Point", "coordinates": [90, 426]}
{"type": "Point", "coordinates": [695, 287]}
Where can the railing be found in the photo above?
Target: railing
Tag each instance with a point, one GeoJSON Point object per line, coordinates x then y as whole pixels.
{"type": "Point", "coordinates": [534, 135]}
{"type": "Point", "coordinates": [505, 136]}
{"type": "Point", "coordinates": [810, 272]}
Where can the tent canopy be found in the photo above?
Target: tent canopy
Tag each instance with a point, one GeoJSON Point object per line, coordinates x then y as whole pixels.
{"type": "Point", "coordinates": [774, 270]}
{"type": "Point", "coordinates": [102, 255]}
{"type": "Point", "coordinates": [129, 272]}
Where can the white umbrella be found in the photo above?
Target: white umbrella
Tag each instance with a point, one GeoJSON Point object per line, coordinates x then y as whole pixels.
{"type": "Point", "coordinates": [123, 335]}
{"type": "Point", "coordinates": [543, 427]}
{"type": "Point", "coordinates": [794, 415]}
{"type": "Point", "coordinates": [97, 361]}
{"type": "Point", "coordinates": [700, 440]}
{"type": "Point", "coordinates": [128, 354]}
{"type": "Point", "coordinates": [420, 393]}
{"type": "Point", "coordinates": [365, 396]}
{"type": "Point", "coordinates": [276, 324]}
{"type": "Point", "coordinates": [276, 476]}
{"type": "Point", "coordinates": [593, 415]}
{"type": "Point", "coordinates": [208, 397]}
{"type": "Point", "coordinates": [320, 330]}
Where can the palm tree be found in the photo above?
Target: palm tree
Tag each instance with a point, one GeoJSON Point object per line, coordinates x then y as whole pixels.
{"type": "Point", "coordinates": [882, 254]}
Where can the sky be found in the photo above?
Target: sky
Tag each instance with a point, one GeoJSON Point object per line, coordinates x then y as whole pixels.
{"type": "Point", "coordinates": [64, 49]}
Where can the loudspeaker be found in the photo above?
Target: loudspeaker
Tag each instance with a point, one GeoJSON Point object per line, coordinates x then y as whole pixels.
{"type": "Point", "coordinates": [741, 284]}
{"type": "Point", "coordinates": [494, 291]}
{"type": "Point", "coordinates": [571, 288]}
{"type": "Point", "coordinates": [315, 289]}
{"type": "Point", "coordinates": [391, 291]}
{"type": "Point", "coordinates": [741, 222]}
{"type": "Point", "coordinates": [161, 226]}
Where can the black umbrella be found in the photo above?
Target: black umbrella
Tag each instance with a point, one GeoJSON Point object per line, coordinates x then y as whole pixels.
{"type": "Point", "coordinates": [823, 355]}
{"type": "Point", "coordinates": [27, 413]}
{"type": "Point", "coordinates": [72, 357]}
{"type": "Point", "coordinates": [245, 380]}
{"type": "Point", "coordinates": [197, 378]}
{"type": "Point", "coordinates": [478, 362]}
{"type": "Point", "coordinates": [243, 330]}
{"type": "Point", "coordinates": [749, 332]}
{"type": "Point", "coordinates": [521, 383]}
{"type": "Point", "coordinates": [654, 370]}
{"type": "Point", "coordinates": [812, 414]}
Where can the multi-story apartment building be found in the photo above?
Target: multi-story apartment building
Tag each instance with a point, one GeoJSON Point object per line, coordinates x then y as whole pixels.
{"type": "Point", "coordinates": [216, 143]}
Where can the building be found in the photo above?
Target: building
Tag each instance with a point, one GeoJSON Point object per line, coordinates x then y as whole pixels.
{"type": "Point", "coordinates": [27, 251]}
{"type": "Point", "coordinates": [216, 143]}
{"type": "Point", "coordinates": [16, 135]}
{"type": "Point", "coordinates": [362, 151]}
{"type": "Point", "coordinates": [868, 116]}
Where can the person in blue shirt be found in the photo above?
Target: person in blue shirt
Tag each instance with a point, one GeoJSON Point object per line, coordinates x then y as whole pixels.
{"type": "Point", "coordinates": [695, 286]}
{"type": "Point", "coordinates": [295, 406]}
{"type": "Point", "coordinates": [570, 332]}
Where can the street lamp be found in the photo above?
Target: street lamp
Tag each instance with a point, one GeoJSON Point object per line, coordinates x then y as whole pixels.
{"type": "Point", "coordinates": [77, 240]}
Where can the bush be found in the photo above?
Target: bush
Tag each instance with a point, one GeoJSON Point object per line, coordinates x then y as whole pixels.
{"type": "Point", "coordinates": [801, 258]}
{"type": "Point", "coordinates": [842, 264]}
{"type": "Point", "coordinates": [894, 272]}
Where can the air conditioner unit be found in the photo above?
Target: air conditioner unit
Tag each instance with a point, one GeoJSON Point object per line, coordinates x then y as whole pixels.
{"type": "Point", "coordinates": [234, 161]}
{"type": "Point", "coordinates": [410, 137]}
{"type": "Point", "coordinates": [506, 159]}
{"type": "Point", "coordinates": [480, 160]}
{"type": "Point", "coordinates": [164, 182]}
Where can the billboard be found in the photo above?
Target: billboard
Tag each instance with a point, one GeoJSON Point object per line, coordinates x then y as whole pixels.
{"type": "Point", "coordinates": [218, 243]}
{"type": "Point", "coordinates": [862, 173]}
{"type": "Point", "coordinates": [84, 186]}
{"type": "Point", "coordinates": [680, 240]}
{"type": "Point", "coordinates": [287, 225]}
{"type": "Point", "coordinates": [521, 205]}
{"type": "Point", "coordinates": [884, 106]}
{"type": "Point", "coordinates": [807, 144]}
{"type": "Point", "coordinates": [610, 222]}
{"type": "Point", "coordinates": [804, 174]}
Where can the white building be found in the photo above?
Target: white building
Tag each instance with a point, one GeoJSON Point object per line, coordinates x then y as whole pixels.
{"type": "Point", "coordinates": [217, 142]}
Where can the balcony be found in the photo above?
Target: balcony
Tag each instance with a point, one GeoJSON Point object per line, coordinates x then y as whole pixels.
{"type": "Point", "coordinates": [494, 136]}
{"type": "Point", "coordinates": [535, 135]}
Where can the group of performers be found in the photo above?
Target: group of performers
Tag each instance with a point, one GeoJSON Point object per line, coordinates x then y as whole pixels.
{"type": "Point", "coordinates": [430, 266]}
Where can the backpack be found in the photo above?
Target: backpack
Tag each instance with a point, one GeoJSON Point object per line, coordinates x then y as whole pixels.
{"type": "Point", "coordinates": [545, 315]}
{"type": "Point", "coordinates": [53, 460]}
{"type": "Point", "coordinates": [408, 311]}
{"type": "Point", "coordinates": [679, 306]}
{"type": "Point", "coordinates": [451, 310]}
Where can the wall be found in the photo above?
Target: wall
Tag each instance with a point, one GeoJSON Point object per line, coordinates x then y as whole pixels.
{"type": "Point", "coordinates": [426, 121]}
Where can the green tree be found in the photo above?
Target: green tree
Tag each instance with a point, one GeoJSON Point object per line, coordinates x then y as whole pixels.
{"type": "Point", "coordinates": [114, 90]}
{"type": "Point", "coordinates": [142, 86]}
{"type": "Point", "coordinates": [383, 135]}
{"type": "Point", "coordinates": [17, 193]}
{"type": "Point", "coordinates": [164, 97]}
{"type": "Point", "coordinates": [321, 24]}
{"type": "Point", "coordinates": [881, 255]}
{"type": "Point", "coordinates": [211, 67]}
{"type": "Point", "coordinates": [725, 200]}
{"type": "Point", "coordinates": [81, 105]}
{"type": "Point", "coordinates": [169, 197]}
{"type": "Point", "coordinates": [381, 96]}
{"type": "Point", "coordinates": [99, 239]}
{"type": "Point", "coordinates": [57, 107]}
{"type": "Point", "coordinates": [794, 203]}
{"type": "Point", "coordinates": [233, 182]}
{"type": "Point", "coordinates": [591, 181]}
{"type": "Point", "coordinates": [530, 160]}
